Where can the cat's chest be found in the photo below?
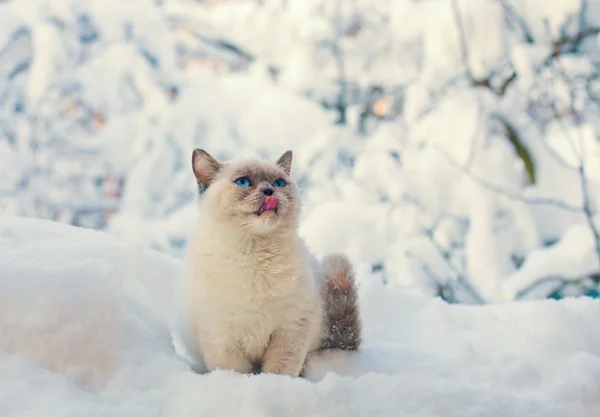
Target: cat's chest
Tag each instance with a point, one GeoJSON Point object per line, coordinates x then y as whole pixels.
{"type": "Point", "coordinates": [244, 294]}
{"type": "Point", "coordinates": [266, 271]}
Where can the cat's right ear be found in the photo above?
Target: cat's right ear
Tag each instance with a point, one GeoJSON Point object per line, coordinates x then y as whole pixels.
{"type": "Point", "coordinates": [285, 162]}
{"type": "Point", "coordinates": [205, 168]}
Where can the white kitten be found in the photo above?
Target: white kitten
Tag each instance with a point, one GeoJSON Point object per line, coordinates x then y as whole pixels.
{"type": "Point", "coordinates": [254, 298]}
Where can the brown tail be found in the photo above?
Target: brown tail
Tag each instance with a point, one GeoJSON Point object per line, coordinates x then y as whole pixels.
{"type": "Point", "coordinates": [343, 322]}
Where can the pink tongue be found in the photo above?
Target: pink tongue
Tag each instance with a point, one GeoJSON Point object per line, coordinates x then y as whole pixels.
{"type": "Point", "coordinates": [270, 203]}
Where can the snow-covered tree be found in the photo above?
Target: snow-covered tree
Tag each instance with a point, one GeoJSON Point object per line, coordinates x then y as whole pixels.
{"type": "Point", "coordinates": [447, 145]}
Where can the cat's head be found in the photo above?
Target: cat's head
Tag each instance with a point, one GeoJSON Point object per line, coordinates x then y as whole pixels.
{"type": "Point", "coordinates": [255, 195]}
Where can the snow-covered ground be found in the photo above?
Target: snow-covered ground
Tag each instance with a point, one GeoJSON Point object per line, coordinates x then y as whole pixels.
{"type": "Point", "coordinates": [84, 330]}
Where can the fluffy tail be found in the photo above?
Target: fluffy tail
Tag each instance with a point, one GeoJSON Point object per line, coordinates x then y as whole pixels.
{"type": "Point", "coordinates": [341, 305]}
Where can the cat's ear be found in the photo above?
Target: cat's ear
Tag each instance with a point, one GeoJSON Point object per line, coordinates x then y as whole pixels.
{"type": "Point", "coordinates": [285, 162]}
{"type": "Point", "coordinates": [205, 168]}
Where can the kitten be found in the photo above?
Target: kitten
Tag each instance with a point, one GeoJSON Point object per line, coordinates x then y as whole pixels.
{"type": "Point", "coordinates": [255, 298]}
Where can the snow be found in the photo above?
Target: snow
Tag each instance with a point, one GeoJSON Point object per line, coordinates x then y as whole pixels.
{"type": "Point", "coordinates": [456, 175]}
{"type": "Point", "coordinates": [84, 331]}
{"type": "Point", "coordinates": [444, 50]}
{"type": "Point", "coordinates": [104, 101]}
{"type": "Point", "coordinates": [571, 258]}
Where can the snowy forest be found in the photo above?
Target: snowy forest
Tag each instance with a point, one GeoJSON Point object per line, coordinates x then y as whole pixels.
{"type": "Point", "coordinates": [449, 146]}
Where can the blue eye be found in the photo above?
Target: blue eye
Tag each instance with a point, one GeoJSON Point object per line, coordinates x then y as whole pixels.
{"type": "Point", "coordinates": [279, 183]}
{"type": "Point", "coordinates": [243, 182]}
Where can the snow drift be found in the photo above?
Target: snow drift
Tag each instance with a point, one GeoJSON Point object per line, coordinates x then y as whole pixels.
{"type": "Point", "coordinates": [84, 330]}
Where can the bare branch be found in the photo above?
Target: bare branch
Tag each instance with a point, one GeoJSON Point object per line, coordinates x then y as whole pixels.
{"type": "Point", "coordinates": [565, 44]}
{"type": "Point", "coordinates": [341, 105]}
{"type": "Point", "coordinates": [561, 283]}
{"type": "Point", "coordinates": [444, 290]}
{"type": "Point", "coordinates": [461, 278]}
{"type": "Point", "coordinates": [587, 209]}
{"type": "Point", "coordinates": [582, 13]}
{"type": "Point", "coordinates": [434, 95]}
{"type": "Point", "coordinates": [443, 213]}
{"type": "Point", "coordinates": [514, 196]}
{"type": "Point", "coordinates": [510, 11]}
{"type": "Point", "coordinates": [504, 86]}
{"type": "Point", "coordinates": [464, 49]}
{"type": "Point", "coordinates": [569, 44]}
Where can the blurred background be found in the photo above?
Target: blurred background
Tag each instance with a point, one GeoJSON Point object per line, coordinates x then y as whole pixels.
{"type": "Point", "coordinates": [450, 147]}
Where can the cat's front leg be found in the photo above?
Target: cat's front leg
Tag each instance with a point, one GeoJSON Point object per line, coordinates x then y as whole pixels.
{"type": "Point", "coordinates": [226, 358]}
{"type": "Point", "coordinates": [287, 350]}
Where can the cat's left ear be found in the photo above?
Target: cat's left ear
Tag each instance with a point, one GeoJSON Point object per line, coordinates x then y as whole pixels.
{"type": "Point", "coordinates": [285, 162]}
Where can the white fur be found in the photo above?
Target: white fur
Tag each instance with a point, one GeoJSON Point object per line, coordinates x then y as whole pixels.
{"type": "Point", "coordinates": [248, 298]}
